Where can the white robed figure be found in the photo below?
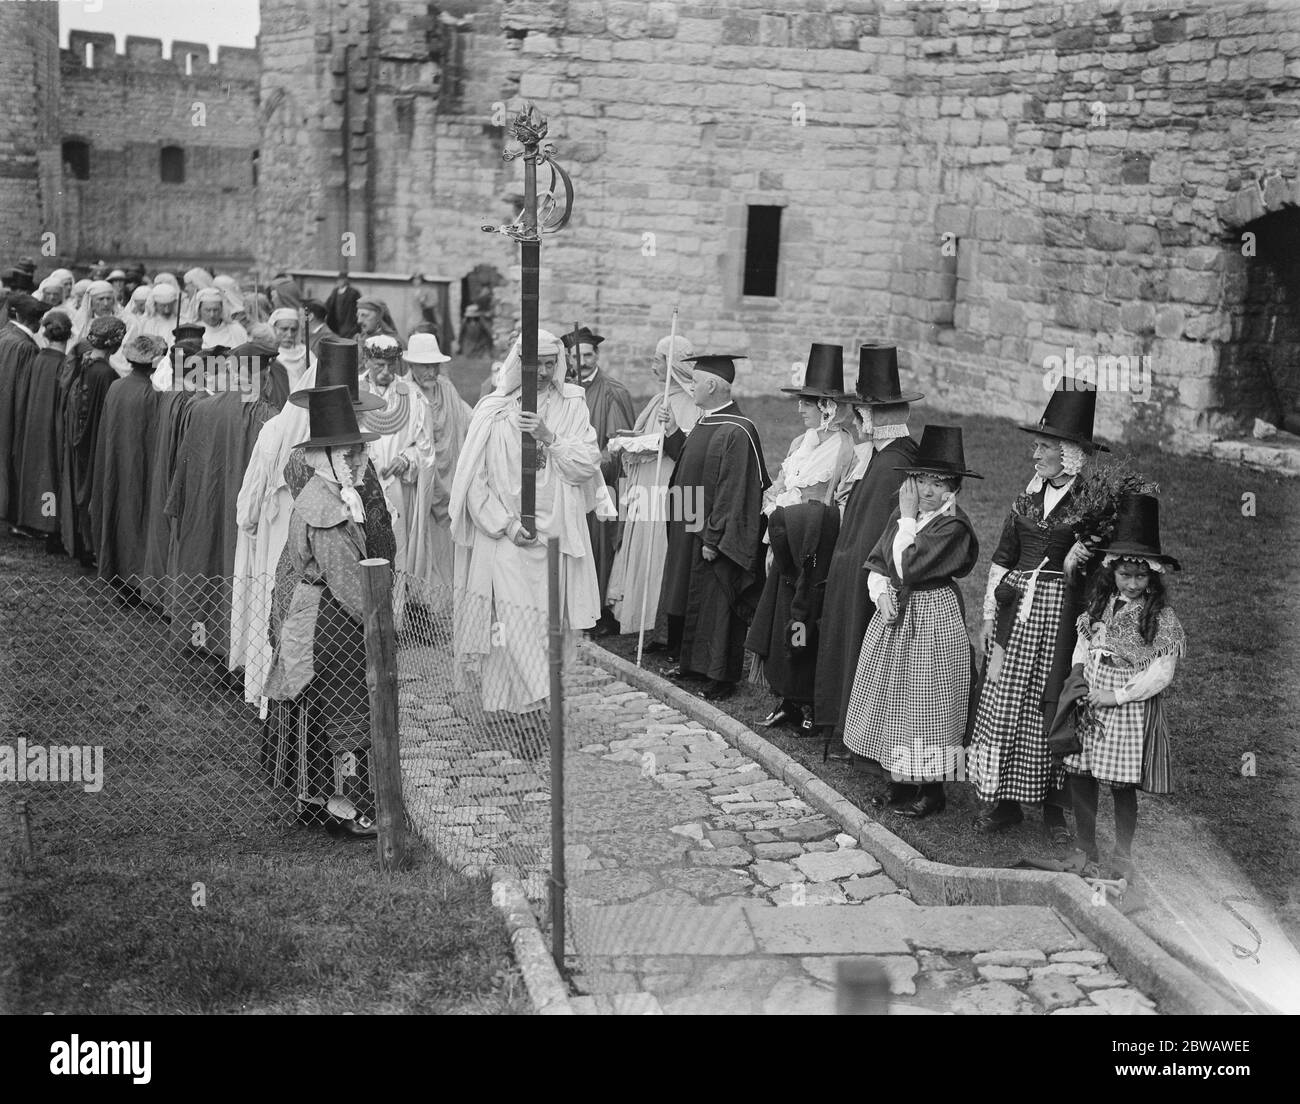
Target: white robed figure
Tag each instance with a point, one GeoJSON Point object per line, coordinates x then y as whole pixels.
{"type": "Point", "coordinates": [404, 461]}
{"type": "Point", "coordinates": [500, 573]}
{"type": "Point", "coordinates": [639, 562]}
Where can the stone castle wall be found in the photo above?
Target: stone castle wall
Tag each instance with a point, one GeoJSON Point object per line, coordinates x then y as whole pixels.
{"type": "Point", "coordinates": [989, 189]}
{"type": "Point", "coordinates": [29, 136]}
{"type": "Point", "coordinates": [128, 106]}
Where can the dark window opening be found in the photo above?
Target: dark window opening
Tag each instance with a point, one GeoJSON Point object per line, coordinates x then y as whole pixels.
{"type": "Point", "coordinates": [762, 250]}
{"type": "Point", "coordinates": [171, 165]}
{"type": "Point", "coordinates": [76, 158]}
{"type": "Point", "coordinates": [256, 154]}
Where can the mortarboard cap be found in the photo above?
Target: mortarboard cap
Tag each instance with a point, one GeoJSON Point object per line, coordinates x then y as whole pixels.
{"type": "Point", "coordinates": [719, 364]}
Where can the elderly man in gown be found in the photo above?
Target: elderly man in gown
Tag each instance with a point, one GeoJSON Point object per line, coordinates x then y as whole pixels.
{"type": "Point", "coordinates": [500, 567]}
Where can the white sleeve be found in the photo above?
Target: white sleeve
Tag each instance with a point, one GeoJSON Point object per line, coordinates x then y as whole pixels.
{"type": "Point", "coordinates": [877, 584]}
{"type": "Point", "coordinates": [1148, 683]}
{"type": "Point", "coordinates": [996, 574]}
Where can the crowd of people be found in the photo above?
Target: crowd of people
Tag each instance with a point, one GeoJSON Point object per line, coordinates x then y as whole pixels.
{"type": "Point", "coordinates": [244, 513]}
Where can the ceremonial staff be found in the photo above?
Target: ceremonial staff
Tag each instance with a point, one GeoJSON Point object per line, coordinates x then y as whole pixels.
{"type": "Point", "coordinates": [528, 129]}
{"type": "Point", "coordinates": [659, 463]}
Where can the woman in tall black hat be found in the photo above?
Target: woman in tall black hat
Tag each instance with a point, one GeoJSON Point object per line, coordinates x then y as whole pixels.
{"type": "Point", "coordinates": [1030, 605]}
{"type": "Point", "coordinates": [1130, 642]}
{"type": "Point", "coordinates": [803, 524]}
{"type": "Point", "coordinates": [318, 673]}
{"type": "Point", "coordinates": [867, 495]}
{"type": "Point", "coordinates": [909, 705]}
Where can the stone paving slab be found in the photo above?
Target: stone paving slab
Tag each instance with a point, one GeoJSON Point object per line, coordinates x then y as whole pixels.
{"type": "Point", "coordinates": [659, 930]}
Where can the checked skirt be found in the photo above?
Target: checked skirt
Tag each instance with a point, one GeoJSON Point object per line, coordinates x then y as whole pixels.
{"type": "Point", "coordinates": [907, 709]}
{"type": "Point", "coordinates": [1112, 737]}
{"type": "Point", "coordinates": [1008, 758]}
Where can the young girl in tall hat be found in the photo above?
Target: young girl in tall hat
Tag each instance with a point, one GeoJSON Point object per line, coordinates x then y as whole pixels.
{"type": "Point", "coordinates": [1129, 645]}
{"type": "Point", "coordinates": [803, 523]}
{"type": "Point", "coordinates": [908, 707]}
{"type": "Point", "coordinates": [1030, 607]}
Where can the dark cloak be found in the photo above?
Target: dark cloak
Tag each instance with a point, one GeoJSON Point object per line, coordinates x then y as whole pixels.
{"type": "Point", "coordinates": [17, 351]}
{"type": "Point", "coordinates": [786, 624]}
{"type": "Point", "coordinates": [123, 469]}
{"type": "Point", "coordinates": [610, 408]}
{"type": "Point", "coordinates": [38, 465]}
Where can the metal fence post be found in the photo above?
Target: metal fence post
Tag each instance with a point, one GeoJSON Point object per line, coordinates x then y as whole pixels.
{"type": "Point", "coordinates": [381, 677]}
{"type": "Point", "coordinates": [556, 623]}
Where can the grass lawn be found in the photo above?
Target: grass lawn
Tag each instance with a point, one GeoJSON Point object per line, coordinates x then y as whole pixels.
{"type": "Point", "coordinates": [104, 921]}
{"type": "Point", "coordinates": [1238, 597]}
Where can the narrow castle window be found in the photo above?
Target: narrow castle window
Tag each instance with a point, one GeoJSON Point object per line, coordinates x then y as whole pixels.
{"type": "Point", "coordinates": [256, 155]}
{"type": "Point", "coordinates": [90, 55]}
{"type": "Point", "coordinates": [762, 251]}
{"type": "Point", "coordinates": [189, 64]}
{"type": "Point", "coordinates": [171, 164]}
{"type": "Point", "coordinates": [76, 158]}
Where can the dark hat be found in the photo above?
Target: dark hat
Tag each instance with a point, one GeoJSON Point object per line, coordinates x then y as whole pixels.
{"type": "Point", "coordinates": [136, 267]}
{"type": "Point", "coordinates": [27, 308]}
{"type": "Point", "coordinates": [940, 453]}
{"type": "Point", "coordinates": [336, 366]}
{"type": "Point", "coordinates": [823, 377]}
{"type": "Point", "coordinates": [877, 383]}
{"type": "Point", "coordinates": [1069, 414]}
{"type": "Point", "coordinates": [719, 364]}
{"type": "Point", "coordinates": [332, 419]}
{"type": "Point", "coordinates": [1137, 530]}
{"type": "Point", "coordinates": [188, 331]}
{"type": "Point", "coordinates": [27, 265]}
{"type": "Point", "coordinates": [316, 307]}
{"type": "Point", "coordinates": [585, 337]}
{"type": "Point", "coordinates": [18, 279]}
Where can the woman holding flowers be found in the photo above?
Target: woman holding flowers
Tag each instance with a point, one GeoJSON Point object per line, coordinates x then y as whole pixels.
{"type": "Point", "coordinates": [1031, 603]}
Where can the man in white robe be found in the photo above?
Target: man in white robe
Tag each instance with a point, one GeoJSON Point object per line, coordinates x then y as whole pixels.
{"type": "Point", "coordinates": [404, 461]}
{"type": "Point", "coordinates": [500, 568]}
{"type": "Point", "coordinates": [219, 330]}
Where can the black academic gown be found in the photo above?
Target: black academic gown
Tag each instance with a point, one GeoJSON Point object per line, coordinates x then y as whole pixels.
{"type": "Point", "coordinates": [719, 479]}
{"type": "Point", "coordinates": [610, 408]}
{"type": "Point", "coordinates": [848, 605]}
{"type": "Point", "coordinates": [18, 350]}
{"type": "Point", "coordinates": [85, 411]}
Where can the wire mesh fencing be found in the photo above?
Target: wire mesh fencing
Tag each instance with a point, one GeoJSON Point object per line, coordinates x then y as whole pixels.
{"type": "Point", "coordinates": [120, 710]}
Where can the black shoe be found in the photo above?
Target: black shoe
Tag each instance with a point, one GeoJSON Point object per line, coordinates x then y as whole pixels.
{"type": "Point", "coordinates": [924, 806]}
{"type": "Point", "coordinates": [899, 796]}
{"type": "Point", "coordinates": [783, 715]}
{"type": "Point", "coordinates": [1007, 814]}
{"type": "Point", "coordinates": [683, 675]}
{"type": "Point", "coordinates": [718, 691]}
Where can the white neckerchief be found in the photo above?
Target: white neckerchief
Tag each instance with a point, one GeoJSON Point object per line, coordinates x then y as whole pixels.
{"type": "Point", "coordinates": [906, 535]}
{"type": "Point", "coordinates": [1053, 495]}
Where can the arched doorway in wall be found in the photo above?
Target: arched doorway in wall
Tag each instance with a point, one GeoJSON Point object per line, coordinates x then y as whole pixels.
{"type": "Point", "coordinates": [1259, 366]}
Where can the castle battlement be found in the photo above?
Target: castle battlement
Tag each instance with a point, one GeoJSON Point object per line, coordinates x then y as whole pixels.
{"type": "Point", "coordinates": [187, 59]}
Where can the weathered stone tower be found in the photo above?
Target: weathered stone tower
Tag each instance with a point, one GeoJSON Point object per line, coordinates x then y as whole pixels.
{"type": "Point", "coordinates": [29, 129]}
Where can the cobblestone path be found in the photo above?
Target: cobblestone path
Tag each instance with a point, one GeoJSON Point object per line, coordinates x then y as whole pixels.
{"type": "Point", "coordinates": [698, 883]}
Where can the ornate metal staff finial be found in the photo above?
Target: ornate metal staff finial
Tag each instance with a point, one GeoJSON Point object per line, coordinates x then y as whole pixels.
{"type": "Point", "coordinates": [529, 129]}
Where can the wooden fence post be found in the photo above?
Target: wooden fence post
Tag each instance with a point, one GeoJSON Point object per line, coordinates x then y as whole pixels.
{"type": "Point", "coordinates": [381, 678]}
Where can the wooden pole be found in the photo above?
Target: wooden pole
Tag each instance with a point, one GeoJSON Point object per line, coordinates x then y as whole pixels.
{"type": "Point", "coordinates": [556, 625]}
{"type": "Point", "coordinates": [381, 678]}
{"type": "Point", "coordinates": [659, 463]}
{"type": "Point", "coordinates": [530, 272]}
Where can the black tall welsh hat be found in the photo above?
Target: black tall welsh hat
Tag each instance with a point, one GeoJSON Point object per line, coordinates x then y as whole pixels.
{"type": "Point", "coordinates": [1069, 414]}
{"type": "Point", "coordinates": [332, 419]}
{"type": "Point", "coordinates": [824, 376]}
{"type": "Point", "coordinates": [336, 366]}
{"type": "Point", "coordinates": [1137, 530]}
{"type": "Point", "coordinates": [940, 453]}
{"type": "Point", "coordinates": [878, 379]}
